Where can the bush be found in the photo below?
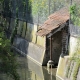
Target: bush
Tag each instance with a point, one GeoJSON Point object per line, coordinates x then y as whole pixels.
{"type": "Point", "coordinates": [8, 63]}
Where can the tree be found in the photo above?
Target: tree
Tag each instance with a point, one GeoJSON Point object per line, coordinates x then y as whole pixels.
{"type": "Point", "coordinates": [7, 58]}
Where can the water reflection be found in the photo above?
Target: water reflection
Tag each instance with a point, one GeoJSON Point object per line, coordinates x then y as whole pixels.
{"type": "Point", "coordinates": [28, 70]}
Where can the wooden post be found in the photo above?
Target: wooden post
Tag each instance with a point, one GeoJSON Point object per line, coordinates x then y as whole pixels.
{"type": "Point", "coordinates": [50, 48]}
{"type": "Point", "coordinates": [50, 62]}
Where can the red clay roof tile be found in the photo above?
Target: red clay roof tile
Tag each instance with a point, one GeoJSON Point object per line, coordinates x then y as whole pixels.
{"type": "Point", "coordinates": [55, 20]}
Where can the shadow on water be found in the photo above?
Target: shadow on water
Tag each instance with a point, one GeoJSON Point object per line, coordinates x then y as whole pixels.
{"type": "Point", "coordinates": [28, 70]}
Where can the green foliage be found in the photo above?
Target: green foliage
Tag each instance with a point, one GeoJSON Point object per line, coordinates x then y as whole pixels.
{"type": "Point", "coordinates": [76, 70]}
{"type": "Point", "coordinates": [7, 58]}
{"type": "Point", "coordinates": [14, 33]}
{"type": "Point", "coordinates": [75, 14]}
{"type": "Point", "coordinates": [40, 6]}
{"type": "Point", "coordinates": [73, 9]}
{"type": "Point", "coordinates": [1, 0]}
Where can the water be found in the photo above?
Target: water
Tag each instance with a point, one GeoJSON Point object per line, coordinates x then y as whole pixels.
{"type": "Point", "coordinates": [28, 70]}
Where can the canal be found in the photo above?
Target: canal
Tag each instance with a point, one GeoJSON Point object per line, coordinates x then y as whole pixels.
{"type": "Point", "coordinates": [28, 70]}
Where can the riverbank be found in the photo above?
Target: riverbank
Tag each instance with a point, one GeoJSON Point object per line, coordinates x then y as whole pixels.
{"type": "Point", "coordinates": [69, 68]}
{"type": "Point", "coordinates": [28, 70]}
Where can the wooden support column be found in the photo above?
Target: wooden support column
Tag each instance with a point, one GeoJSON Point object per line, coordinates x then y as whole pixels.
{"type": "Point", "coordinates": [51, 48]}
{"type": "Point", "coordinates": [50, 62]}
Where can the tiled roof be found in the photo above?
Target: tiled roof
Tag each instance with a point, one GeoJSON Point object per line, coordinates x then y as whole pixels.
{"type": "Point", "coordinates": [42, 32]}
{"type": "Point", "coordinates": [54, 21]}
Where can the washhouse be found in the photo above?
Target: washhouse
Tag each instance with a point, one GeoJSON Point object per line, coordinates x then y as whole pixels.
{"type": "Point", "coordinates": [46, 42]}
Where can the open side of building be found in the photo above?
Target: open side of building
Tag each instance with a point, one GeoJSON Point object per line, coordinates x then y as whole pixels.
{"type": "Point", "coordinates": [56, 31]}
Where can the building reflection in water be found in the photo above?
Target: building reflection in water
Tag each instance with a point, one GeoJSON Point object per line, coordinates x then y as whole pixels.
{"type": "Point", "coordinates": [28, 70]}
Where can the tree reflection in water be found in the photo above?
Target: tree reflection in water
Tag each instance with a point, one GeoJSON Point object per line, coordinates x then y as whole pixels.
{"type": "Point", "coordinates": [28, 70]}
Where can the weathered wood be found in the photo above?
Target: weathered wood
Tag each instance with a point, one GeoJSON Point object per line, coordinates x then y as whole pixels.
{"type": "Point", "coordinates": [56, 30]}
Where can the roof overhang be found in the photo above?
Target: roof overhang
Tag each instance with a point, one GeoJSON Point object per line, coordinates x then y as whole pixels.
{"type": "Point", "coordinates": [55, 23]}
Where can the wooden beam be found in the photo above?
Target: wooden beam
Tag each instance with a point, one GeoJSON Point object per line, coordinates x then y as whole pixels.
{"type": "Point", "coordinates": [56, 30]}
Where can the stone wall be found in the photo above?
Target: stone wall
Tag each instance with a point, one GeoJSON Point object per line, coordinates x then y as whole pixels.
{"type": "Point", "coordinates": [68, 69]}
{"type": "Point", "coordinates": [24, 30]}
{"type": "Point", "coordinates": [78, 76]}
{"type": "Point", "coordinates": [74, 45]}
{"type": "Point", "coordinates": [29, 49]}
